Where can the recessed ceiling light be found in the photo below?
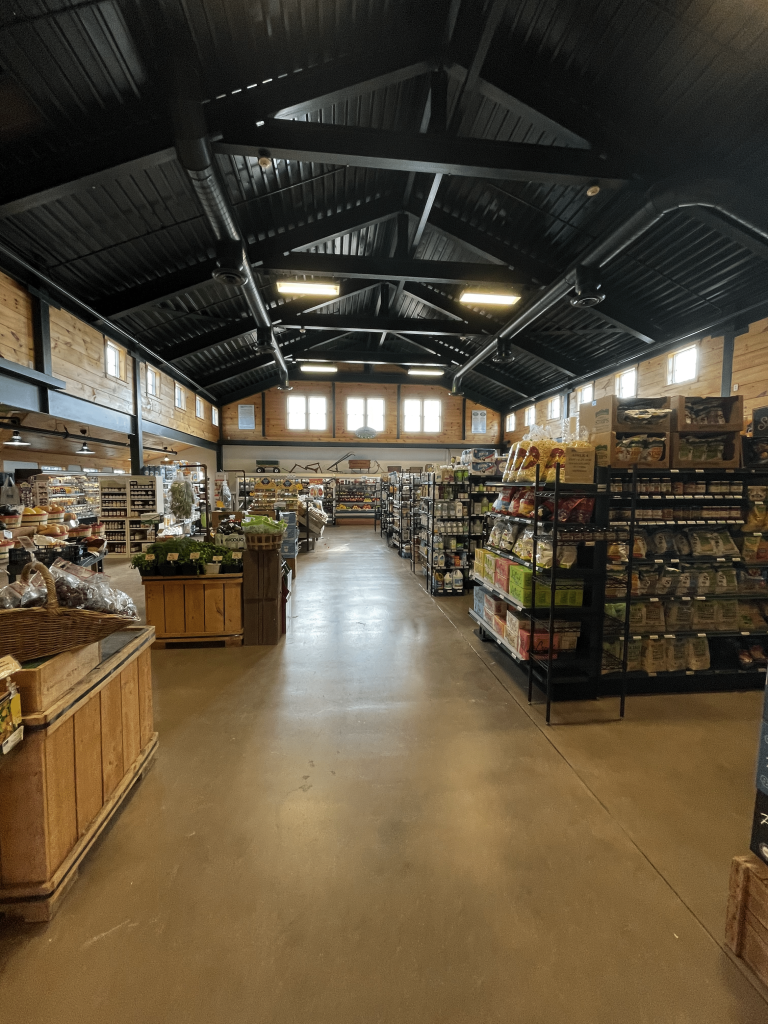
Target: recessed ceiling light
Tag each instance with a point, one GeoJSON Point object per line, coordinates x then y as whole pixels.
{"type": "Point", "coordinates": [306, 288]}
{"type": "Point", "coordinates": [489, 298]}
{"type": "Point", "coordinates": [426, 373]}
{"type": "Point", "coordinates": [318, 368]}
{"type": "Point", "coordinates": [16, 441]}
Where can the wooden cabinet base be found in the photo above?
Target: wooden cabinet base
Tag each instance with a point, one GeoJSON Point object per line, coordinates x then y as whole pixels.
{"type": "Point", "coordinates": [746, 928]}
{"type": "Point", "coordinates": [195, 609]}
{"type": "Point", "coordinates": [33, 903]}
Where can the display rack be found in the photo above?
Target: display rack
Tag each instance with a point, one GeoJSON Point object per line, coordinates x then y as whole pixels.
{"type": "Point", "coordinates": [76, 493]}
{"type": "Point", "coordinates": [401, 521]}
{"type": "Point", "coordinates": [354, 497]}
{"type": "Point", "coordinates": [126, 503]}
{"type": "Point", "coordinates": [443, 536]}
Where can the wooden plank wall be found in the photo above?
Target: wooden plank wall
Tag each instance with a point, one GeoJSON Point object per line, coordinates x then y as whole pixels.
{"type": "Point", "coordinates": [750, 367]}
{"type": "Point", "coordinates": [77, 357]}
{"type": "Point", "coordinates": [275, 407]}
{"type": "Point", "coordinates": [15, 323]}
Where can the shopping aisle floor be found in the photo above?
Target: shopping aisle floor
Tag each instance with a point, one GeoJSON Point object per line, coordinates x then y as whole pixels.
{"type": "Point", "coordinates": [362, 825]}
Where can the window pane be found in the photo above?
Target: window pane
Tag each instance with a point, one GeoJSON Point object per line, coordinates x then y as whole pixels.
{"type": "Point", "coordinates": [587, 393]}
{"type": "Point", "coordinates": [554, 407]}
{"type": "Point", "coordinates": [214, 416]}
{"type": "Point", "coordinates": [628, 383]}
{"type": "Point", "coordinates": [412, 415]}
{"type": "Point", "coordinates": [684, 365]}
{"type": "Point", "coordinates": [113, 361]}
{"type": "Point", "coordinates": [297, 412]}
{"type": "Point", "coordinates": [511, 421]}
{"type": "Point", "coordinates": [179, 398]}
{"type": "Point", "coordinates": [530, 415]}
{"type": "Point", "coordinates": [432, 415]}
{"type": "Point", "coordinates": [199, 411]}
{"type": "Point", "coordinates": [317, 416]}
{"type": "Point", "coordinates": [355, 413]}
{"type": "Point", "coordinates": [376, 413]}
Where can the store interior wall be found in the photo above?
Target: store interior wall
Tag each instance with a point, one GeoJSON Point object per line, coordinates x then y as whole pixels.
{"type": "Point", "coordinates": [749, 377]}
{"type": "Point", "coordinates": [293, 457]}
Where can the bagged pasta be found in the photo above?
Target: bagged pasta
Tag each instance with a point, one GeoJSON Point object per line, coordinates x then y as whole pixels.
{"type": "Point", "coordinates": [726, 581]}
{"type": "Point", "coordinates": [679, 615]}
{"type": "Point", "coordinates": [523, 546]}
{"type": "Point", "coordinates": [703, 543]}
{"type": "Point", "coordinates": [666, 580]}
{"type": "Point", "coordinates": [655, 655]}
{"type": "Point", "coordinates": [704, 615]}
{"type": "Point", "coordinates": [697, 653]}
{"type": "Point", "coordinates": [654, 617]}
{"type": "Point", "coordinates": [705, 580]}
{"type": "Point", "coordinates": [544, 554]}
{"type": "Point", "coordinates": [725, 544]}
{"type": "Point", "coordinates": [537, 454]}
{"type": "Point", "coordinates": [555, 457]}
{"type": "Point", "coordinates": [647, 580]}
{"type": "Point", "coordinates": [686, 578]}
{"type": "Point", "coordinates": [727, 615]}
{"type": "Point", "coordinates": [676, 654]}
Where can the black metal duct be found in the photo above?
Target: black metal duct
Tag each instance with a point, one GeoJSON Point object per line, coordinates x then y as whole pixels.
{"type": "Point", "coordinates": [194, 152]}
{"type": "Point", "coordinates": [724, 197]}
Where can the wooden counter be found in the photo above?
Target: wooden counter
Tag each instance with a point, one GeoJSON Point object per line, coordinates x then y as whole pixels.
{"type": "Point", "coordinates": [78, 761]}
{"type": "Point", "coordinates": [191, 609]}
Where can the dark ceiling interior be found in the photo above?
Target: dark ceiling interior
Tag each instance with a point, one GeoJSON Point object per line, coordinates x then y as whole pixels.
{"type": "Point", "coordinates": [408, 150]}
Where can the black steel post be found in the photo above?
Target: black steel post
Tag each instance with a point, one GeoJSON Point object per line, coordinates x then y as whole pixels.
{"type": "Point", "coordinates": [137, 436]}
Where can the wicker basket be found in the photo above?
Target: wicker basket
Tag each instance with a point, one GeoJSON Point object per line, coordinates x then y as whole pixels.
{"type": "Point", "coordinates": [29, 633]}
{"type": "Point", "coordinates": [263, 541]}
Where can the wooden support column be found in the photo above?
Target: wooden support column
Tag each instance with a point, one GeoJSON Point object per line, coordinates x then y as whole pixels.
{"type": "Point", "coordinates": [137, 435]}
{"type": "Point", "coordinates": [41, 336]}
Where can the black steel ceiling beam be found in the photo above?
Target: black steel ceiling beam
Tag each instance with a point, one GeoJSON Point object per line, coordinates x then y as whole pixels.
{"type": "Point", "coordinates": [378, 268]}
{"type": "Point", "coordinates": [379, 355]}
{"type": "Point", "coordinates": [167, 287]}
{"type": "Point", "coordinates": [617, 316]}
{"type": "Point", "coordinates": [454, 356]}
{"type": "Point", "coordinates": [374, 324]}
{"type": "Point", "coordinates": [311, 142]}
{"type": "Point", "coordinates": [483, 44]}
{"type": "Point", "coordinates": [296, 345]}
{"type": "Point", "coordinates": [728, 230]}
{"type": "Point", "coordinates": [476, 324]}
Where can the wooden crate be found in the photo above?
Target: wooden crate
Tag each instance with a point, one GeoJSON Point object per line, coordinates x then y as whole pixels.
{"type": "Point", "coordinates": [195, 607]}
{"type": "Point", "coordinates": [746, 926]}
{"type": "Point", "coordinates": [78, 760]}
{"type": "Point", "coordinates": [262, 597]}
{"type": "Point", "coordinates": [41, 683]}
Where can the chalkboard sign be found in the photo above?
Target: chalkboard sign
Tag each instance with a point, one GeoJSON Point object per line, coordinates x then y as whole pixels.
{"type": "Point", "coordinates": [760, 422]}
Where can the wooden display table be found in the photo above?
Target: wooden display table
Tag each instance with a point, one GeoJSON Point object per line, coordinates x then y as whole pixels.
{"type": "Point", "coordinates": [190, 609]}
{"type": "Point", "coordinates": [746, 927]}
{"type": "Point", "coordinates": [78, 761]}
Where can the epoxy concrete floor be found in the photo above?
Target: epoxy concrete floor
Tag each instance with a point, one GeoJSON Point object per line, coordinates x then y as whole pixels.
{"type": "Point", "coordinates": [364, 825]}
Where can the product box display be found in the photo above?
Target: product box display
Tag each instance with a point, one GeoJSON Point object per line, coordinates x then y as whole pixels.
{"type": "Point", "coordinates": [621, 450]}
{"type": "Point", "coordinates": [706, 450]}
{"type": "Point", "coordinates": [479, 595]}
{"type": "Point", "coordinates": [708, 415]}
{"type": "Point", "coordinates": [501, 573]}
{"type": "Point", "coordinates": [635, 415]}
{"type": "Point", "coordinates": [489, 570]}
{"type": "Point", "coordinates": [493, 606]}
{"type": "Point", "coordinates": [499, 624]}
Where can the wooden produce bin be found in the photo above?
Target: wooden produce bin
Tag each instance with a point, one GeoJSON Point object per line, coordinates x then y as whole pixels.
{"type": "Point", "coordinates": [192, 609]}
{"type": "Point", "coordinates": [262, 597]}
{"type": "Point", "coordinates": [746, 928]}
{"type": "Point", "coordinates": [79, 759]}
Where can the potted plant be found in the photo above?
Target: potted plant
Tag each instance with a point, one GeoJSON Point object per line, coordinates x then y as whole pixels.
{"type": "Point", "coordinates": [140, 562]}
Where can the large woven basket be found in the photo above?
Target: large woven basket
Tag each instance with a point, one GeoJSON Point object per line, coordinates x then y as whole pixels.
{"type": "Point", "coordinates": [29, 633]}
{"type": "Point", "coordinates": [263, 541]}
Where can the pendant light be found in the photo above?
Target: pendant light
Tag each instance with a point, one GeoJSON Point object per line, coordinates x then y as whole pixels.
{"type": "Point", "coordinates": [16, 441]}
{"type": "Point", "coordinates": [85, 450]}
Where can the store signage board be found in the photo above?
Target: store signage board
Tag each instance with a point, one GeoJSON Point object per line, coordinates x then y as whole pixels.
{"type": "Point", "coordinates": [760, 421]}
{"type": "Point", "coordinates": [246, 417]}
{"type": "Point", "coordinates": [479, 417]}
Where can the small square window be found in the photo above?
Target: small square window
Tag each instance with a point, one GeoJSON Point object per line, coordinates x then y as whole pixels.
{"type": "Point", "coordinates": [530, 415]}
{"type": "Point", "coordinates": [199, 407]}
{"type": "Point", "coordinates": [586, 394]}
{"type": "Point", "coordinates": [112, 358]}
{"type": "Point", "coordinates": [554, 408]}
{"type": "Point", "coordinates": [151, 381]}
{"type": "Point", "coordinates": [307, 412]}
{"type": "Point", "coordinates": [626, 383]}
{"type": "Point", "coordinates": [214, 416]}
{"type": "Point", "coordinates": [179, 397]}
{"type": "Point", "coordinates": [510, 422]}
{"type": "Point", "coordinates": [682, 366]}
{"type": "Point", "coordinates": [422, 416]}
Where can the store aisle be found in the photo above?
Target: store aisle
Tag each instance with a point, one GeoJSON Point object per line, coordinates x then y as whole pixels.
{"type": "Point", "coordinates": [362, 825]}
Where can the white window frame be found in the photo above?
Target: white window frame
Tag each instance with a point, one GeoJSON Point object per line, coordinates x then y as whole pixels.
{"type": "Point", "coordinates": [509, 423]}
{"type": "Point", "coordinates": [308, 413]}
{"type": "Point", "coordinates": [530, 415]}
{"type": "Point", "coordinates": [179, 397]}
{"type": "Point", "coordinates": [214, 416]}
{"type": "Point", "coordinates": [672, 365]}
{"type": "Point", "coordinates": [555, 408]}
{"type": "Point", "coordinates": [421, 428]}
{"type": "Point", "coordinates": [620, 377]}
{"type": "Point", "coordinates": [199, 407]}
{"type": "Point", "coordinates": [365, 399]}
{"type": "Point", "coordinates": [152, 375]}
{"type": "Point", "coordinates": [583, 400]}
{"type": "Point", "coordinates": [110, 346]}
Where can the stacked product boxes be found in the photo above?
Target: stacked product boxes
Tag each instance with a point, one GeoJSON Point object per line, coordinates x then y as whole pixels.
{"type": "Point", "coordinates": [290, 545]}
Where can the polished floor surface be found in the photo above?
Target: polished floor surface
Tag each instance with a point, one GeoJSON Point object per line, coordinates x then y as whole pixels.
{"type": "Point", "coordinates": [368, 824]}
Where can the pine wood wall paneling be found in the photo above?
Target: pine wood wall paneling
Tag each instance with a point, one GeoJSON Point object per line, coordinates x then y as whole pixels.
{"type": "Point", "coordinates": [492, 433]}
{"type": "Point", "coordinates": [161, 408]}
{"type": "Point", "coordinates": [77, 354]}
{"type": "Point", "coordinates": [16, 342]}
{"type": "Point", "coordinates": [229, 428]}
{"type": "Point", "coordinates": [750, 367]}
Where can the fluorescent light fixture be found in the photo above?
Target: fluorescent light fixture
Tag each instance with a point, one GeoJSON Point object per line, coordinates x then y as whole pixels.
{"type": "Point", "coordinates": [16, 441]}
{"type": "Point", "coordinates": [85, 450]}
{"type": "Point", "coordinates": [306, 288]}
{"type": "Point", "coordinates": [122, 471]}
{"type": "Point", "coordinates": [90, 470]}
{"type": "Point", "coordinates": [426, 373]}
{"type": "Point", "coordinates": [318, 368]}
{"type": "Point", "coordinates": [489, 298]}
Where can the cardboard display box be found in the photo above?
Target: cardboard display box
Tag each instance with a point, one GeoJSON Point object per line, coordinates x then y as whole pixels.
{"type": "Point", "coordinates": [607, 452]}
{"type": "Point", "coordinates": [610, 413]}
{"type": "Point", "coordinates": [733, 410]}
{"type": "Point", "coordinates": [732, 453]}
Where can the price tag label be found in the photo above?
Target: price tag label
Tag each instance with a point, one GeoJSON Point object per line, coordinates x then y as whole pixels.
{"type": "Point", "coordinates": [149, 558]}
{"type": "Point", "coordinates": [217, 558]}
{"type": "Point", "coordinates": [237, 555]}
{"type": "Point", "coordinates": [8, 534]}
{"type": "Point", "coordinates": [194, 556]}
{"type": "Point", "coordinates": [172, 556]}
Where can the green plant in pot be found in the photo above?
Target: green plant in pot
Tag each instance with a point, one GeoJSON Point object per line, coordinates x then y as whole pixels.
{"type": "Point", "coordinates": [140, 562]}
